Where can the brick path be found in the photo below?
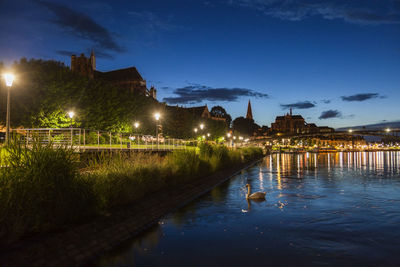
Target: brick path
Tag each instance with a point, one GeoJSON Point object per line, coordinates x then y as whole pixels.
{"type": "Point", "coordinates": [84, 243]}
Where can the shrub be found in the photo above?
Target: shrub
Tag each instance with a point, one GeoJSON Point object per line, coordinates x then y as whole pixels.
{"type": "Point", "coordinates": [40, 189]}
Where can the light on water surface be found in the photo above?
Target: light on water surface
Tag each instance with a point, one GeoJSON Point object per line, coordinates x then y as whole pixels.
{"type": "Point", "coordinates": [320, 209]}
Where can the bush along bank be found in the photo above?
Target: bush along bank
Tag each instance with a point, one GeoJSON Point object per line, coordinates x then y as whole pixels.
{"type": "Point", "coordinates": [42, 188]}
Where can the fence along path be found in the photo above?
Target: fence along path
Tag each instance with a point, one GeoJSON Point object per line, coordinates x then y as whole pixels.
{"type": "Point", "coordinates": [85, 139]}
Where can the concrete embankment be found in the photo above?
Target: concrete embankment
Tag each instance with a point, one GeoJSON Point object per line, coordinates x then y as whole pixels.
{"type": "Point", "coordinates": [82, 244]}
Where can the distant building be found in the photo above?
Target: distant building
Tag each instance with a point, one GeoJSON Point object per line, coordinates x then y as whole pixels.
{"type": "Point", "coordinates": [289, 123]}
{"type": "Point", "coordinates": [295, 124]}
{"type": "Point", "coordinates": [126, 79]}
{"type": "Point", "coordinates": [201, 111]}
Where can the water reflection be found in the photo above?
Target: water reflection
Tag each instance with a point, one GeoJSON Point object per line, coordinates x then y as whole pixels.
{"type": "Point", "coordinates": [320, 209]}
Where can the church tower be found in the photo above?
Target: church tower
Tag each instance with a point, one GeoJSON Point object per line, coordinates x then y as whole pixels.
{"type": "Point", "coordinates": [249, 114]}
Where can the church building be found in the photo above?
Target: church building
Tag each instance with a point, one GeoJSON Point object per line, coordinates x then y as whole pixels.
{"type": "Point", "coordinates": [125, 79]}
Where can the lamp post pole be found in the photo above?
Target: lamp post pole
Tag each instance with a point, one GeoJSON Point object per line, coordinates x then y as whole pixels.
{"type": "Point", "coordinates": [157, 117]}
{"type": "Point", "coordinates": [9, 78]}
{"type": "Point", "coordinates": [8, 117]}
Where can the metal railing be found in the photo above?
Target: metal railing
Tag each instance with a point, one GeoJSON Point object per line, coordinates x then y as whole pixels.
{"type": "Point", "coordinates": [86, 139]}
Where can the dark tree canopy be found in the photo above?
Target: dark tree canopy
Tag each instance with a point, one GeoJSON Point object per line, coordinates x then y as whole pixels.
{"type": "Point", "coordinates": [244, 126]}
{"type": "Point", "coordinates": [218, 111]}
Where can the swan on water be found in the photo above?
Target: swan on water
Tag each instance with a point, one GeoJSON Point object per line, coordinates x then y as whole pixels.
{"type": "Point", "coordinates": [256, 195]}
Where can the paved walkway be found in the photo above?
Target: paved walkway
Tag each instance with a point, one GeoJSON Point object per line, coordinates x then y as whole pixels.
{"type": "Point", "coordinates": [83, 244]}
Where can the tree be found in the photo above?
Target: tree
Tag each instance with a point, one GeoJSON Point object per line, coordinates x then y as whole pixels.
{"type": "Point", "coordinates": [218, 111]}
{"type": "Point", "coordinates": [244, 126]}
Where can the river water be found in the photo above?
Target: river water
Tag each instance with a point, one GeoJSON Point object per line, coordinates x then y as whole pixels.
{"type": "Point", "coordinates": [333, 209]}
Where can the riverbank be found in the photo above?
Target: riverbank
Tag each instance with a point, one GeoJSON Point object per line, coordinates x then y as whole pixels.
{"type": "Point", "coordinates": [43, 191]}
{"type": "Point", "coordinates": [82, 244]}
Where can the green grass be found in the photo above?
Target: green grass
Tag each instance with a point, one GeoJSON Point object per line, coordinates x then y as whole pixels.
{"type": "Point", "coordinates": [42, 189]}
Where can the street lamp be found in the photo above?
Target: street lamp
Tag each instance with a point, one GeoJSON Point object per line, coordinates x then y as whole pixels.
{"type": "Point", "coordinates": [136, 124]}
{"type": "Point", "coordinates": [350, 131]}
{"type": "Point", "coordinates": [195, 130]}
{"type": "Point", "coordinates": [228, 134]}
{"type": "Point", "coordinates": [71, 115]}
{"type": "Point", "coordinates": [388, 130]}
{"type": "Point", "coordinates": [157, 116]}
{"type": "Point", "coordinates": [9, 78]}
{"type": "Point", "coordinates": [201, 126]}
{"type": "Point", "coordinates": [208, 135]}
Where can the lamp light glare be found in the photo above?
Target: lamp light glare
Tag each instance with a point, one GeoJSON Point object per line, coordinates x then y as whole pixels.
{"type": "Point", "coordinates": [9, 78]}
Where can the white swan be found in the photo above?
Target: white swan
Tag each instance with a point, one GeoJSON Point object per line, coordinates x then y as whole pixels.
{"type": "Point", "coordinates": [256, 195]}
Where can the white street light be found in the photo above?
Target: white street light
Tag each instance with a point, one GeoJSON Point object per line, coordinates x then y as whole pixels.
{"type": "Point", "coordinates": [208, 135]}
{"type": "Point", "coordinates": [9, 78]}
{"type": "Point", "coordinates": [71, 114]}
{"type": "Point", "coordinates": [350, 131]}
{"type": "Point", "coordinates": [388, 130]}
{"type": "Point", "coordinates": [195, 130]}
{"type": "Point", "coordinates": [136, 124]}
{"type": "Point", "coordinates": [157, 116]}
{"type": "Point", "coordinates": [228, 134]}
{"type": "Point", "coordinates": [201, 126]}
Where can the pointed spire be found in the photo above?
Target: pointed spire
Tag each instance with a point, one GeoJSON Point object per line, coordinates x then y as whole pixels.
{"type": "Point", "coordinates": [249, 114]}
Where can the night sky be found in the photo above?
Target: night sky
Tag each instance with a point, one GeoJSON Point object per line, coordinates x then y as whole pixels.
{"type": "Point", "coordinates": [335, 62]}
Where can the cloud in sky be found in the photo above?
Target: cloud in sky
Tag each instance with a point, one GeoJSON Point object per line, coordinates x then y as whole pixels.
{"type": "Point", "coordinates": [329, 114]}
{"type": "Point", "coordinates": [360, 97]}
{"type": "Point", "coordinates": [355, 11]}
{"type": "Point", "coordinates": [197, 93]}
{"type": "Point", "coordinates": [82, 26]}
{"type": "Point", "coordinates": [326, 101]}
{"type": "Point", "coordinates": [298, 105]}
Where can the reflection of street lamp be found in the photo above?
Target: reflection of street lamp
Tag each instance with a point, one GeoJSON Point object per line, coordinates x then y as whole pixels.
{"type": "Point", "coordinates": [9, 78]}
{"type": "Point", "coordinates": [157, 116]}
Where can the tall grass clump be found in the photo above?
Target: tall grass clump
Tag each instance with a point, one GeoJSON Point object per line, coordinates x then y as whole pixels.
{"type": "Point", "coordinates": [40, 189]}
{"type": "Point", "coordinates": [119, 179]}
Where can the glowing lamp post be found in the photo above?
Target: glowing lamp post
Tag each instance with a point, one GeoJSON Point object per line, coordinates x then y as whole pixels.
{"type": "Point", "coordinates": [157, 116]}
{"type": "Point", "coordinates": [136, 124]}
{"type": "Point", "coordinates": [202, 126]}
{"type": "Point", "coordinates": [71, 115]}
{"type": "Point", "coordinates": [9, 78]}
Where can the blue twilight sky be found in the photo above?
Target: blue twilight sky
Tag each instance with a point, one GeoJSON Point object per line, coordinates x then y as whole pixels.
{"type": "Point", "coordinates": [335, 62]}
